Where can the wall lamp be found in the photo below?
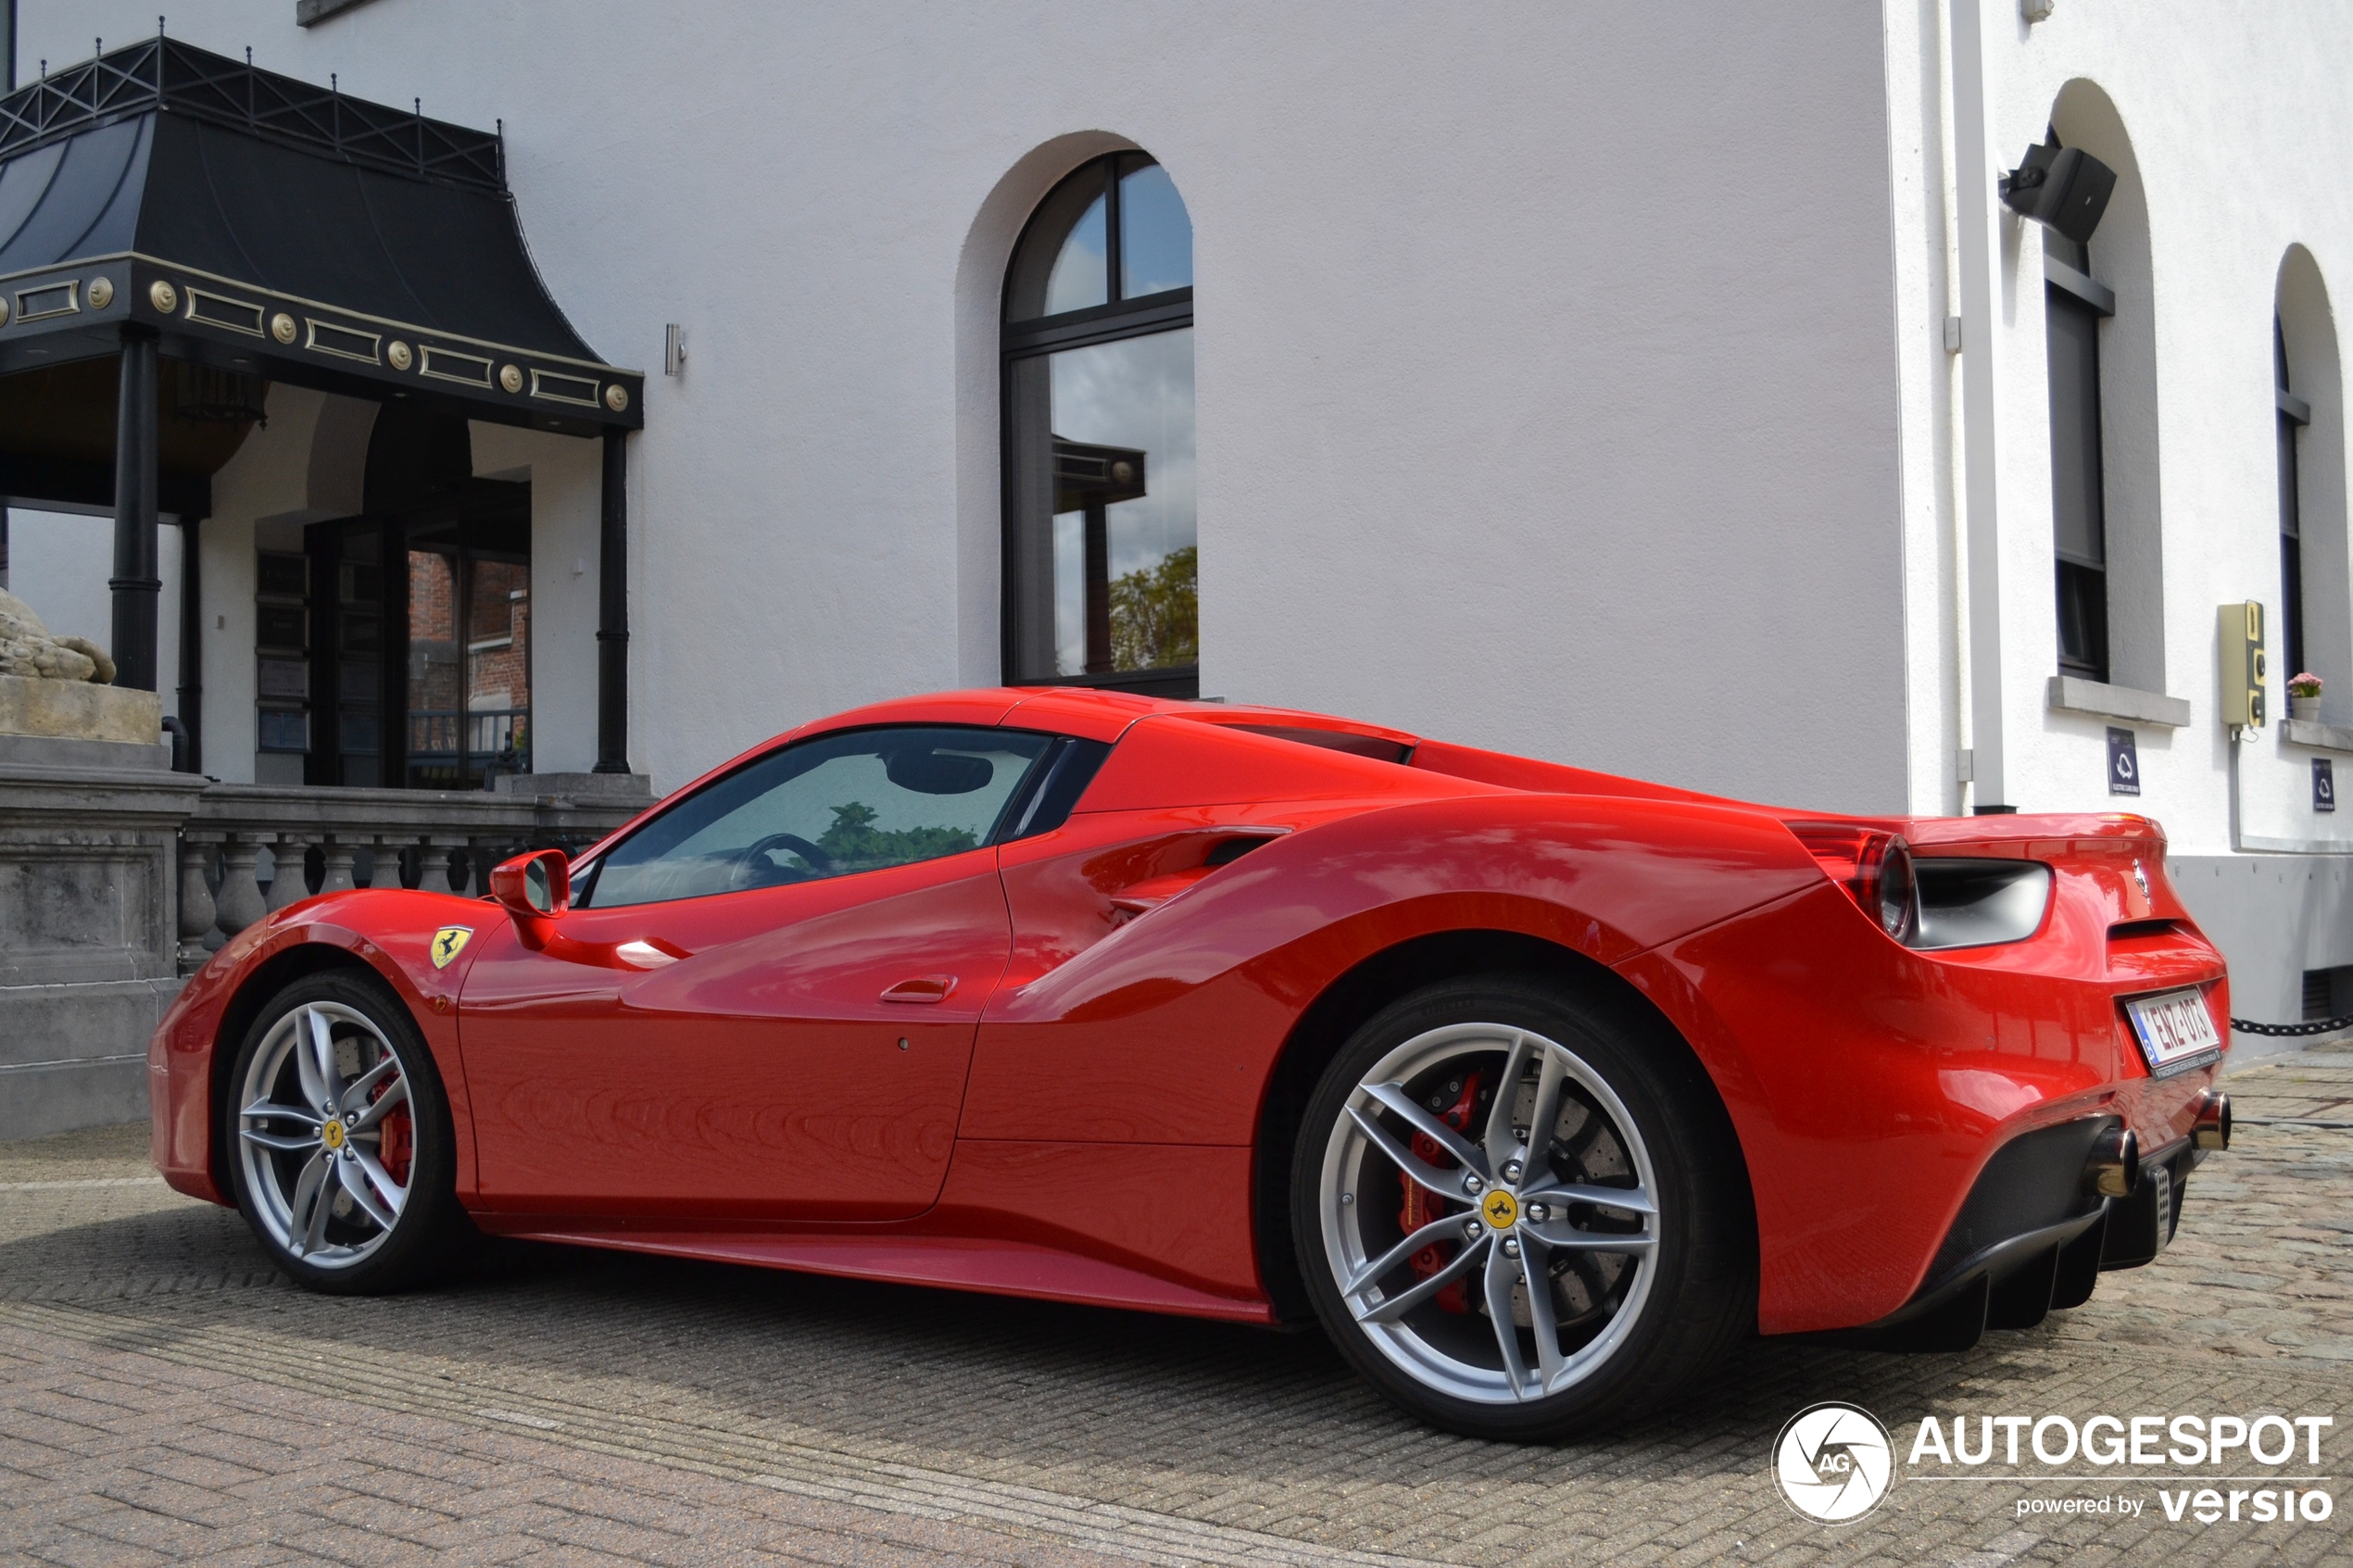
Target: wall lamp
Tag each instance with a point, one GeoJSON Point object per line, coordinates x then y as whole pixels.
{"type": "Point", "coordinates": [2064, 188]}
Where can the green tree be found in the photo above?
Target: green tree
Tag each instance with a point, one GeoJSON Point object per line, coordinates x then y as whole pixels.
{"type": "Point", "coordinates": [856, 844]}
{"type": "Point", "coordinates": [1155, 613]}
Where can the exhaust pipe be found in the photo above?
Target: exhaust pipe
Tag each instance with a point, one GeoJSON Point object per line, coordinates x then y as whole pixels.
{"type": "Point", "coordinates": [2114, 1169]}
{"type": "Point", "coordinates": [2212, 1127]}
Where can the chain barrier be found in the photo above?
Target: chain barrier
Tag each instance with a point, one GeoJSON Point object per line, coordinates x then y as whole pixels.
{"type": "Point", "coordinates": [2248, 1027]}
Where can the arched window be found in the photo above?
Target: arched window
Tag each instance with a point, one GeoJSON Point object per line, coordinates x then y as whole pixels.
{"type": "Point", "coordinates": [2313, 630]}
{"type": "Point", "coordinates": [2074, 305]}
{"type": "Point", "coordinates": [2107, 504]}
{"type": "Point", "coordinates": [1100, 554]}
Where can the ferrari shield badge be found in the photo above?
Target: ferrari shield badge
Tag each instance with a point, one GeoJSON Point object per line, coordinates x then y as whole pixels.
{"type": "Point", "coordinates": [449, 942]}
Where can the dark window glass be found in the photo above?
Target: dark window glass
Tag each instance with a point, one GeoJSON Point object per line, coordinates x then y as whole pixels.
{"type": "Point", "coordinates": [278, 626]}
{"type": "Point", "coordinates": [2291, 518]}
{"type": "Point", "coordinates": [284, 729]}
{"type": "Point", "coordinates": [1101, 558]}
{"type": "Point", "coordinates": [2078, 516]}
{"type": "Point", "coordinates": [829, 807]}
{"type": "Point", "coordinates": [284, 577]}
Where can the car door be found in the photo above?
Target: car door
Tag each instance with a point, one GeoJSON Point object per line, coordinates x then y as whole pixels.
{"type": "Point", "coordinates": [762, 1004]}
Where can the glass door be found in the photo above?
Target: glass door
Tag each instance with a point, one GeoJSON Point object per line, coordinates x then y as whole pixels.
{"type": "Point", "coordinates": [468, 695]}
{"type": "Point", "coordinates": [418, 646]}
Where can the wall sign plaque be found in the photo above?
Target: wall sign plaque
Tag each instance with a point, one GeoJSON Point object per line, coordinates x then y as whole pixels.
{"type": "Point", "coordinates": [2123, 762]}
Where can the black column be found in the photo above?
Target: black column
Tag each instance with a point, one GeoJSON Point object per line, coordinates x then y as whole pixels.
{"type": "Point", "coordinates": [136, 586]}
{"type": "Point", "coordinates": [192, 641]}
{"type": "Point", "coordinates": [612, 611]}
{"type": "Point", "coordinates": [8, 84]}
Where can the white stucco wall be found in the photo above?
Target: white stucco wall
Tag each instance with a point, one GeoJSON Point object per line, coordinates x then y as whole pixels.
{"type": "Point", "coordinates": [1546, 388]}
{"type": "Point", "coordinates": [2238, 126]}
{"type": "Point", "coordinates": [1572, 379]}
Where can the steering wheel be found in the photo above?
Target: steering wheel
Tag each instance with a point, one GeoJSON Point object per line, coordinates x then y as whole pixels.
{"type": "Point", "coordinates": [742, 874]}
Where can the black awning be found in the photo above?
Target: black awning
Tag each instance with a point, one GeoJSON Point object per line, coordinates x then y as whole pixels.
{"type": "Point", "coordinates": [273, 227]}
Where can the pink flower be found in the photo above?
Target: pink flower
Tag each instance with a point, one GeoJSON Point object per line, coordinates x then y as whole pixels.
{"type": "Point", "coordinates": [2304, 683]}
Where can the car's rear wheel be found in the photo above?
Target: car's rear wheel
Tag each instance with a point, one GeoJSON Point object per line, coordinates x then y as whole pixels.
{"type": "Point", "coordinates": [342, 1151]}
{"type": "Point", "coordinates": [1520, 1211]}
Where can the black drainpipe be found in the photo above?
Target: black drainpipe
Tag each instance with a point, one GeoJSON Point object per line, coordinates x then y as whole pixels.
{"type": "Point", "coordinates": [8, 71]}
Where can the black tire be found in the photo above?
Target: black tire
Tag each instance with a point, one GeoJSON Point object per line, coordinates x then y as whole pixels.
{"type": "Point", "coordinates": [1700, 1297]}
{"type": "Point", "coordinates": [355, 1255]}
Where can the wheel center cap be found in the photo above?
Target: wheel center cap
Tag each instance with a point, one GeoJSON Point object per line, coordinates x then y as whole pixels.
{"type": "Point", "coordinates": [1500, 1208]}
{"type": "Point", "coordinates": [332, 1134]}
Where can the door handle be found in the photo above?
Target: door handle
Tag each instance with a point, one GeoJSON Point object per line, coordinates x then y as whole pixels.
{"type": "Point", "coordinates": [924, 988]}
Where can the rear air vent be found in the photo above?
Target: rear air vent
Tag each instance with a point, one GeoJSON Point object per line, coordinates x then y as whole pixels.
{"type": "Point", "coordinates": [1226, 851]}
{"type": "Point", "coordinates": [1968, 902]}
{"type": "Point", "coordinates": [1374, 747]}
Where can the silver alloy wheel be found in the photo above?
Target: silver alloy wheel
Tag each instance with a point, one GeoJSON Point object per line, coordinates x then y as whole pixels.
{"type": "Point", "coordinates": [318, 1098]}
{"type": "Point", "coordinates": [1511, 1218]}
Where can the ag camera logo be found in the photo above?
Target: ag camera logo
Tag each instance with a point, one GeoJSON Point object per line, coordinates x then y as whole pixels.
{"type": "Point", "coordinates": [1833, 1461]}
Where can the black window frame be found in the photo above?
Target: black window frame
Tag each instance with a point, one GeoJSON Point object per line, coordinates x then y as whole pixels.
{"type": "Point", "coordinates": [2076, 302]}
{"type": "Point", "coordinates": [1119, 319]}
{"type": "Point", "coordinates": [2292, 414]}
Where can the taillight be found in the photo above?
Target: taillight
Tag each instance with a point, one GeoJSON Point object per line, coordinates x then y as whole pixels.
{"type": "Point", "coordinates": [1875, 868]}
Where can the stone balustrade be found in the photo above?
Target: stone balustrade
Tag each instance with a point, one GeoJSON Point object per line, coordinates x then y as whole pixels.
{"type": "Point", "coordinates": [118, 876]}
{"type": "Point", "coordinates": [249, 850]}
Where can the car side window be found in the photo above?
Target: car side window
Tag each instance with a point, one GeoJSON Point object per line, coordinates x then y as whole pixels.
{"type": "Point", "coordinates": [833, 806]}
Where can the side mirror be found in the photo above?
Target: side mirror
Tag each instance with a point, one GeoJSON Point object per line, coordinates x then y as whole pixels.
{"type": "Point", "coordinates": [533, 888]}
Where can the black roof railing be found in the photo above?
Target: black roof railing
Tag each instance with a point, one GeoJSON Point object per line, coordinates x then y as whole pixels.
{"type": "Point", "coordinates": [163, 73]}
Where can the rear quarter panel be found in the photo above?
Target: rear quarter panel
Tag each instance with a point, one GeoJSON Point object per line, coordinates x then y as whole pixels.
{"type": "Point", "coordinates": [1870, 1083]}
{"type": "Point", "coordinates": [1168, 1029]}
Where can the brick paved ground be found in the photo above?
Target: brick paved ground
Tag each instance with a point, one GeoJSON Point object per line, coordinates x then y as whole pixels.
{"type": "Point", "coordinates": [164, 1395]}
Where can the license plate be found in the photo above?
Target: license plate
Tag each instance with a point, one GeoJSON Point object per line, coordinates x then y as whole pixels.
{"type": "Point", "coordinates": [2175, 1031]}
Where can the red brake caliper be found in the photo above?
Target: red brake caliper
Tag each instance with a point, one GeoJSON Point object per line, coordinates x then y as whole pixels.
{"type": "Point", "coordinates": [392, 1152]}
{"type": "Point", "coordinates": [1421, 1207]}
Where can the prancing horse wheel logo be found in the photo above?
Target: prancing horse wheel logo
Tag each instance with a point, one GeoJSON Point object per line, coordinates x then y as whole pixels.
{"type": "Point", "coordinates": [1501, 1209]}
{"type": "Point", "coordinates": [331, 1134]}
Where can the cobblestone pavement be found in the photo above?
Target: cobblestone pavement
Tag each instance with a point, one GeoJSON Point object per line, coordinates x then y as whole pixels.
{"type": "Point", "coordinates": [165, 1396]}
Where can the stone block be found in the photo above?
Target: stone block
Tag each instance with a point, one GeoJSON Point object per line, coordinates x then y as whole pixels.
{"type": "Point", "coordinates": [79, 710]}
{"type": "Point", "coordinates": [601, 788]}
{"type": "Point", "coordinates": [89, 923]}
{"type": "Point", "coordinates": [76, 1056]}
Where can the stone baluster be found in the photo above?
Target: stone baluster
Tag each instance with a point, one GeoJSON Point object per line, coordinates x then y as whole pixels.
{"type": "Point", "coordinates": [481, 854]}
{"type": "Point", "coordinates": [196, 913]}
{"type": "Point", "coordinates": [289, 885]}
{"type": "Point", "coordinates": [337, 851]}
{"type": "Point", "coordinates": [436, 857]}
{"type": "Point", "coordinates": [239, 904]}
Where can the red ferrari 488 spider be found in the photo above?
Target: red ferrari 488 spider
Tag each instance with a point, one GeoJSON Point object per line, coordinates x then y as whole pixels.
{"type": "Point", "coordinates": [1536, 1086]}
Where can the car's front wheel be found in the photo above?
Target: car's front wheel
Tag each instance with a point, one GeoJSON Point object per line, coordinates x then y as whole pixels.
{"type": "Point", "coordinates": [1520, 1211]}
{"type": "Point", "coordinates": [340, 1146]}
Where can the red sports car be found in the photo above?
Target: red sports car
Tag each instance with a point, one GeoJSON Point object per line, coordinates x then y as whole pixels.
{"type": "Point", "coordinates": [1536, 1086]}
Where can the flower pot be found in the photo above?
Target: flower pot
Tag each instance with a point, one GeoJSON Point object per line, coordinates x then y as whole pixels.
{"type": "Point", "coordinates": [2304, 707]}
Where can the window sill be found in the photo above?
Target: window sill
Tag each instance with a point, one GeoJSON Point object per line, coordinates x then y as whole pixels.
{"type": "Point", "coordinates": [2072, 694]}
{"type": "Point", "coordinates": [2319, 737]}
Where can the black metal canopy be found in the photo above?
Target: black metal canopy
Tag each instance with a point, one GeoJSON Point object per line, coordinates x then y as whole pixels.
{"type": "Point", "coordinates": [210, 227]}
{"type": "Point", "coordinates": [265, 226]}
